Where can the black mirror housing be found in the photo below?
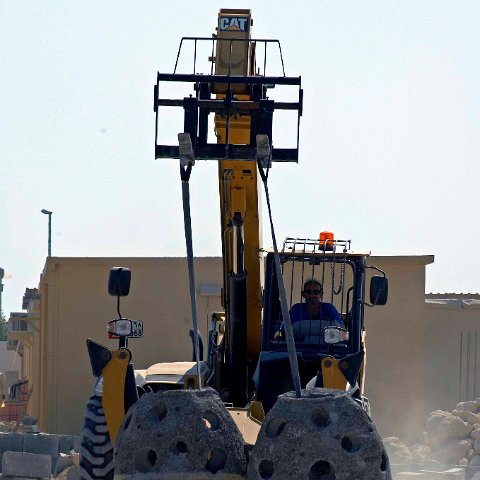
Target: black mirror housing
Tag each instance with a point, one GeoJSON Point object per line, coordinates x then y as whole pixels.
{"type": "Point", "coordinates": [119, 281]}
{"type": "Point", "coordinates": [378, 290]}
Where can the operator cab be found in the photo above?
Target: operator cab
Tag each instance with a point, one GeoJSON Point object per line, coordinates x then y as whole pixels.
{"type": "Point", "coordinates": [325, 288]}
{"type": "Point", "coordinates": [319, 278]}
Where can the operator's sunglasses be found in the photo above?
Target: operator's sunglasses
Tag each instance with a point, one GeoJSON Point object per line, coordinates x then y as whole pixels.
{"type": "Point", "coordinates": [313, 292]}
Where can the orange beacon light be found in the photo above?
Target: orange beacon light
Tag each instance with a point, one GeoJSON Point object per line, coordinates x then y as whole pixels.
{"type": "Point", "coordinates": [326, 240]}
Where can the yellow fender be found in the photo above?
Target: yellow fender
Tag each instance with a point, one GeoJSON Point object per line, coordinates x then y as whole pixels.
{"type": "Point", "coordinates": [332, 375]}
{"type": "Point", "coordinates": [113, 399]}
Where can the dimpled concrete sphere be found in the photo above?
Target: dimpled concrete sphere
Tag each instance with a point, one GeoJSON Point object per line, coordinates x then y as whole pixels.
{"type": "Point", "coordinates": [179, 431]}
{"type": "Point", "coordinates": [324, 435]}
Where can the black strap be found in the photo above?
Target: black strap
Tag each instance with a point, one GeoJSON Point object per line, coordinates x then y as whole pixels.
{"type": "Point", "coordinates": [185, 172]}
{"type": "Point", "coordinates": [185, 176]}
{"type": "Point", "coordinates": [292, 353]}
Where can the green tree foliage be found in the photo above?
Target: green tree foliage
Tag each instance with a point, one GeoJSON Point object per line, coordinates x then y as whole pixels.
{"type": "Point", "coordinates": [3, 327]}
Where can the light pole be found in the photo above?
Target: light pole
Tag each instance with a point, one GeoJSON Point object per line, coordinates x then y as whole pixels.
{"type": "Point", "coordinates": [47, 212]}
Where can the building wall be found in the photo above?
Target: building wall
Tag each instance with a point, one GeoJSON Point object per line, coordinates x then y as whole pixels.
{"type": "Point", "coordinates": [9, 360]}
{"type": "Point", "coordinates": [396, 378]}
{"type": "Point", "coordinates": [412, 357]}
{"type": "Point", "coordinates": [452, 344]}
{"type": "Point", "coordinates": [75, 305]}
{"type": "Point", "coordinates": [32, 361]}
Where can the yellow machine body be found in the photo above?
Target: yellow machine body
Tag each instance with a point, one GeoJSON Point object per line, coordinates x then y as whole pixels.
{"type": "Point", "coordinates": [113, 399]}
{"type": "Point", "coordinates": [233, 52]}
{"type": "Point", "coordinates": [238, 183]}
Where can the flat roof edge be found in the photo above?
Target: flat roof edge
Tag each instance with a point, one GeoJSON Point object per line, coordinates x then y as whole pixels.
{"type": "Point", "coordinates": [405, 259]}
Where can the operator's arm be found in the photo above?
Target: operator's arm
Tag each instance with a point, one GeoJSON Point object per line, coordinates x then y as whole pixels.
{"type": "Point", "coordinates": [295, 315]}
{"type": "Point", "coordinates": [331, 313]}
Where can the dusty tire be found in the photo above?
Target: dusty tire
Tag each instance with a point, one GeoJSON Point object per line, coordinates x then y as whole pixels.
{"type": "Point", "coordinates": [96, 451]}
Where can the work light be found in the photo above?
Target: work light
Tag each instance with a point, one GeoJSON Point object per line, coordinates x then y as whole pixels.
{"type": "Point", "coordinates": [335, 335]}
{"type": "Point", "coordinates": [119, 328]}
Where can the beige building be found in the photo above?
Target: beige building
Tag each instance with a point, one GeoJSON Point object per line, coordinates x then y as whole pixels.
{"type": "Point", "coordinates": [75, 305]}
{"type": "Point", "coordinates": [452, 324]}
{"type": "Point", "coordinates": [10, 360]}
{"type": "Point", "coordinates": [414, 347]}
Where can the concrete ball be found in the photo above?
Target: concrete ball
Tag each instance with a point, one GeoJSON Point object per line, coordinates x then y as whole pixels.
{"type": "Point", "coordinates": [324, 435]}
{"type": "Point", "coordinates": [179, 431]}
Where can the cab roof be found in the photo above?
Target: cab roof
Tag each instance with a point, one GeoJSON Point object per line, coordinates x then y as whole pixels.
{"type": "Point", "coordinates": [318, 253]}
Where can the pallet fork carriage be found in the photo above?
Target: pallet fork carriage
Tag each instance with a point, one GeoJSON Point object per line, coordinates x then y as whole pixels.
{"type": "Point", "coordinates": [240, 100]}
{"type": "Point", "coordinates": [259, 110]}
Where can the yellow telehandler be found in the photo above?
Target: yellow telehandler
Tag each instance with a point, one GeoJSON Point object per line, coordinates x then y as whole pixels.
{"type": "Point", "coordinates": [293, 321]}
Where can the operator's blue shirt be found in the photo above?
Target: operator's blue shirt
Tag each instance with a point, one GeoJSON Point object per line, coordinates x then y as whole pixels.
{"type": "Point", "coordinates": [327, 312]}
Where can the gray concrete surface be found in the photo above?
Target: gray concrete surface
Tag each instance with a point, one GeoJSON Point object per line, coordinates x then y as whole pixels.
{"type": "Point", "coordinates": [34, 445]}
{"type": "Point", "coordinates": [29, 465]}
{"type": "Point", "coordinates": [181, 476]}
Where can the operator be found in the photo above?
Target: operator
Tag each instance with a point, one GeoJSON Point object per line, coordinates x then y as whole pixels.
{"type": "Point", "coordinates": [313, 308]}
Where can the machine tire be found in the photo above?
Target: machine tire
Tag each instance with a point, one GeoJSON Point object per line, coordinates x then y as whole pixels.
{"type": "Point", "coordinates": [96, 450]}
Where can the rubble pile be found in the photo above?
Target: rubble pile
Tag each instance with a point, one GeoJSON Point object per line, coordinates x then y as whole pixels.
{"type": "Point", "coordinates": [27, 454]}
{"type": "Point", "coordinates": [26, 425]}
{"type": "Point", "coordinates": [450, 438]}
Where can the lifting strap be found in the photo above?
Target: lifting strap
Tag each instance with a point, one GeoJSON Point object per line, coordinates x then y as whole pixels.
{"type": "Point", "coordinates": [292, 353]}
{"type": "Point", "coordinates": [185, 176]}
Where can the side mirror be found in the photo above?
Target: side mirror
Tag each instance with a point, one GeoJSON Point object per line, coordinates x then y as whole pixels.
{"type": "Point", "coordinates": [378, 290]}
{"type": "Point", "coordinates": [119, 281]}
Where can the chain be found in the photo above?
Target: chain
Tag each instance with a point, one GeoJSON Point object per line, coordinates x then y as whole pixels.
{"type": "Point", "coordinates": [342, 277]}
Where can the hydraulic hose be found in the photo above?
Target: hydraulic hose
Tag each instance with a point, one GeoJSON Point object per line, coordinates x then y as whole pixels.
{"type": "Point", "coordinates": [237, 338]}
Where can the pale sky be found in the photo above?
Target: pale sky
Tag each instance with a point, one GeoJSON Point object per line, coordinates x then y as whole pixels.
{"type": "Point", "coordinates": [389, 145]}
